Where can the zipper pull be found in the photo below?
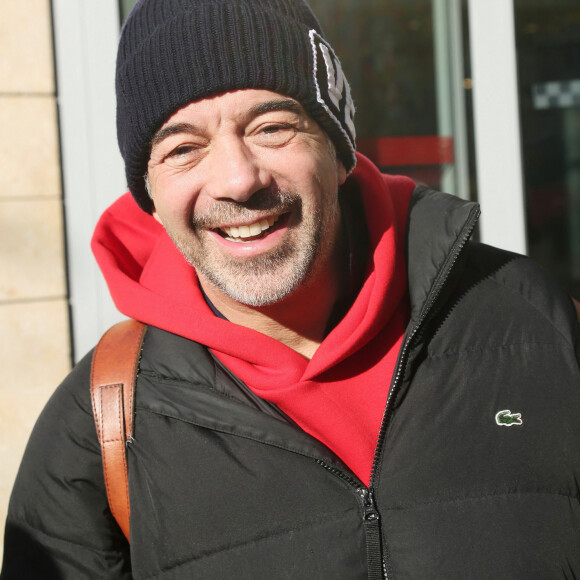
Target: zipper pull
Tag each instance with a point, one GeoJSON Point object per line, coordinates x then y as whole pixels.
{"type": "Point", "coordinates": [370, 513]}
{"type": "Point", "coordinates": [375, 564]}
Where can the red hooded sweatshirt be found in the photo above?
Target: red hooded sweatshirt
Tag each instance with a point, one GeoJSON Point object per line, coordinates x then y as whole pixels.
{"type": "Point", "coordinates": [340, 394]}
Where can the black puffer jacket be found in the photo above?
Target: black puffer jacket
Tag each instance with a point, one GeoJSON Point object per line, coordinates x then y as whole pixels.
{"type": "Point", "coordinates": [224, 486]}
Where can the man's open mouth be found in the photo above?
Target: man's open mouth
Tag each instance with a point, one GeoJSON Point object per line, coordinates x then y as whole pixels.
{"type": "Point", "coordinates": [251, 232]}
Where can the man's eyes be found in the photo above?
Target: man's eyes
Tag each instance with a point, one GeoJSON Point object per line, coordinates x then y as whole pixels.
{"type": "Point", "coordinates": [182, 155]}
{"type": "Point", "coordinates": [274, 134]}
{"type": "Point", "coordinates": [268, 134]}
{"type": "Point", "coordinates": [274, 128]}
{"type": "Point", "coordinates": [181, 151]}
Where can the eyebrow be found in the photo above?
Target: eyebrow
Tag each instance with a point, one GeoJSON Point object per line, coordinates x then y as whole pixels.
{"type": "Point", "coordinates": [165, 132]}
{"type": "Point", "coordinates": [255, 111]}
{"type": "Point", "coordinates": [276, 105]}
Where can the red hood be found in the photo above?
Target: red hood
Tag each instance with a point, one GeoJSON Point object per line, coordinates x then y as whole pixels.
{"type": "Point", "coordinates": [149, 280]}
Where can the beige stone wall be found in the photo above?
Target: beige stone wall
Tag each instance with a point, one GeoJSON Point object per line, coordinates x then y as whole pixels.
{"type": "Point", "coordinates": [34, 327]}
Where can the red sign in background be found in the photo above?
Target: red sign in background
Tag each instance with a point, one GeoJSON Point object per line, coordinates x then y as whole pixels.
{"type": "Point", "coordinates": [407, 151]}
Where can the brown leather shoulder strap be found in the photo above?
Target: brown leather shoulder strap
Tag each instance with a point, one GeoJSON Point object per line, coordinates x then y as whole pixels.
{"type": "Point", "coordinates": [113, 374]}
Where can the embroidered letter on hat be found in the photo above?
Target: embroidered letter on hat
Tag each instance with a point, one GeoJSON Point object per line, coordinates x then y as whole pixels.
{"type": "Point", "coordinates": [334, 94]}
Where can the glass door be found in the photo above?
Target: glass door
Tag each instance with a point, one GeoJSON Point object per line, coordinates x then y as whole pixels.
{"type": "Point", "coordinates": [404, 61]}
{"type": "Point", "coordinates": [548, 53]}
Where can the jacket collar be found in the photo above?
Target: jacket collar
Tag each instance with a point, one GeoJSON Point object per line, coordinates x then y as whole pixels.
{"type": "Point", "coordinates": [439, 226]}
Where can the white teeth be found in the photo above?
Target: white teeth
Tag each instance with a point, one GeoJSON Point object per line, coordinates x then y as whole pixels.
{"type": "Point", "coordinates": [251, 230]}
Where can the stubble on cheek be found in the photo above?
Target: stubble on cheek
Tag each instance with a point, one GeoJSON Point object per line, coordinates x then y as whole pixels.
{"type": "Point", "coordinates": [257, 280]}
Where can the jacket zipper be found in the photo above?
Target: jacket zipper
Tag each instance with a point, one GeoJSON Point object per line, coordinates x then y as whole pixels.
{"type": "Point", "coordinates": [371, 521]}
{"type": "Point", "coordinates": [404, 355]}
{"type": "Point", "coordinates": [376, 563]}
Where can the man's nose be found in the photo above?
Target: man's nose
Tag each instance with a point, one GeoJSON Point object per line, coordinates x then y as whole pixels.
{"type": "Point", "coordinates": [235, 172]}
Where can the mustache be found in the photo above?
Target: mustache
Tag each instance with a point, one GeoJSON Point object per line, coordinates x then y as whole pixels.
{"type": "Point", "coordinates": [270, 200]}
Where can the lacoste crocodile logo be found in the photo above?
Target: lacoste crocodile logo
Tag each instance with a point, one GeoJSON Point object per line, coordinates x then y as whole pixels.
{"type": "Point", "coordinates": [507, 418]}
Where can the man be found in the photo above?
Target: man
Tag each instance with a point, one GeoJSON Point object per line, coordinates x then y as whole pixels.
{"type": "Point", "coordinates": [335, 382]}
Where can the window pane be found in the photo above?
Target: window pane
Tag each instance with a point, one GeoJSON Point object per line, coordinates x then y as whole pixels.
{"type": "Point", "coordinates": [125, 7]}
{"type": "Point", "coordinates": [404, 61]}
{"type": "Point", "coordinates": [548, 46]}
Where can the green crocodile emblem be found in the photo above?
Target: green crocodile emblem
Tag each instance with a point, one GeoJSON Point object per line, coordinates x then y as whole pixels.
{"type": "Point", "coordinates": [507, 418]}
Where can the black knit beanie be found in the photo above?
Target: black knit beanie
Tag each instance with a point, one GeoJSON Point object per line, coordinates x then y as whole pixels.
{"type": "Point", "coordinates": [173, 52]}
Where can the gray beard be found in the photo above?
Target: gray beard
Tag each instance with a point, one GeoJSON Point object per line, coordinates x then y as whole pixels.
{"type": "Point", "coordinates": [265, 279]}
{"type": "Point", "coordinates": [256, 282]}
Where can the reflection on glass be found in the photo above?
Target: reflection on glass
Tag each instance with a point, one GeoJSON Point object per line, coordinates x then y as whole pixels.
{"type": "Point", "coordinates": [404, 61]}
{"type": "Point", "coordinates": [548, 49]}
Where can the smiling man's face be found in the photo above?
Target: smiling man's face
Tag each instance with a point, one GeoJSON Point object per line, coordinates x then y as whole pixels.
{"type": "Point", "coordinates": [246, 184]}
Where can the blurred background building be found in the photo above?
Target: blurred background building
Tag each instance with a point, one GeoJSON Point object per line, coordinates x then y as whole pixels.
{"type": "Point", "coordinates": [480, 98]}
